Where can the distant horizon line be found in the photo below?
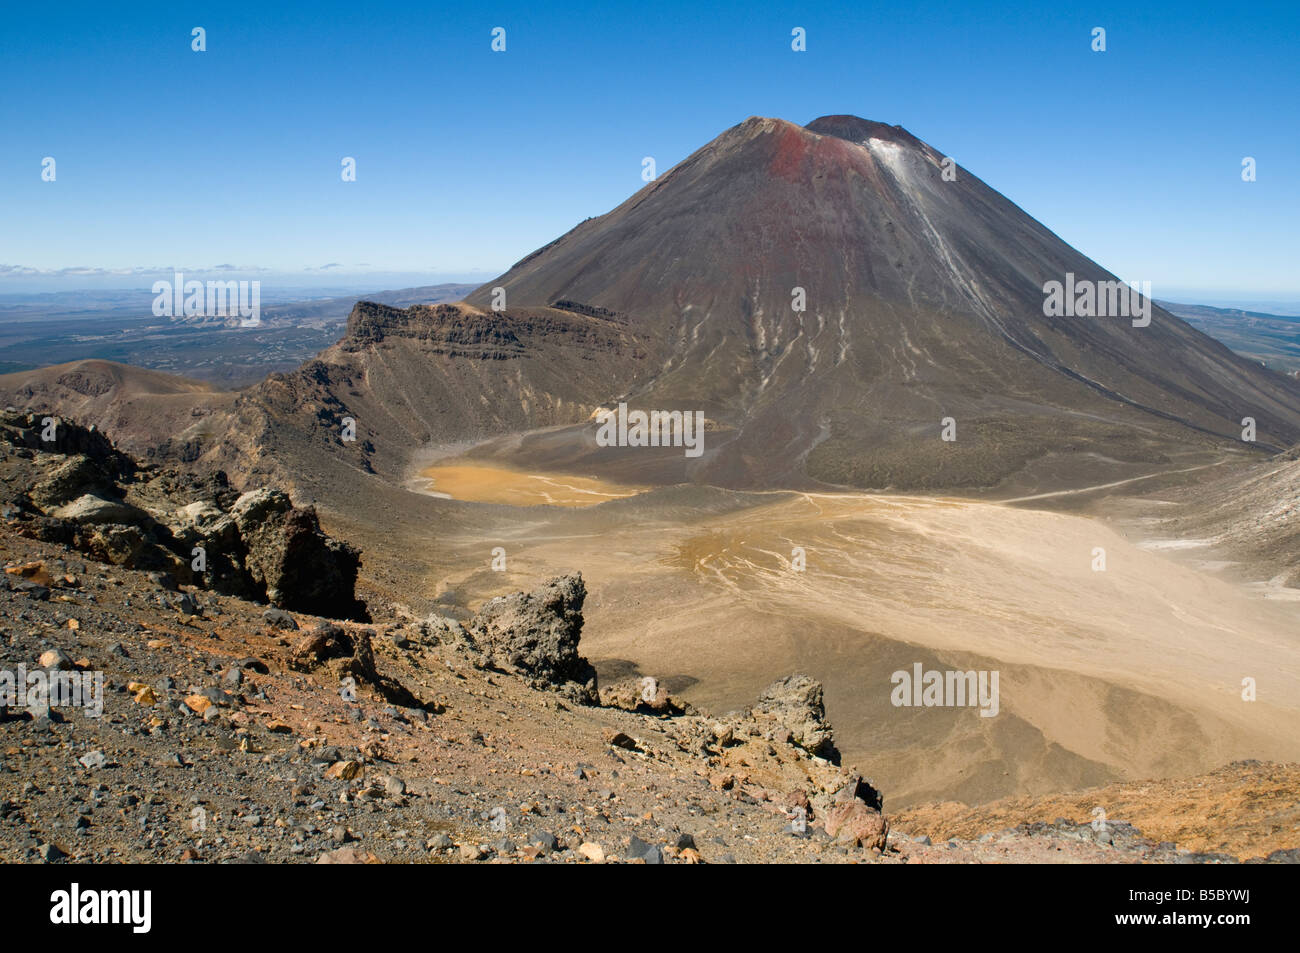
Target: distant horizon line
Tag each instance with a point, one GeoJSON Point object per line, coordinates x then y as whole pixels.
{"type": "Point", "coordinates": [366, 281]}
{"type": "Point", "coordinates": [71, 280]}
{"type": "Point", "coordinates": [121, 277]}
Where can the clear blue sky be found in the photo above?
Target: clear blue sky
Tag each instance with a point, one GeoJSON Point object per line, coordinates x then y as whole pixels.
{"type": "Point", "coordinates": [469, 159]}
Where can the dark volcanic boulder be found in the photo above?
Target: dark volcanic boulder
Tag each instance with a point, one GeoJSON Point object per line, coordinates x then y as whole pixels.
{"type": "Point", "coordinates": [536, 635]}
{"type": "Point", "coordinates": [795, 703]}
{"type": "Point", "coordinates": [203, 524]}
{"type": "Point", "coordinates": [342, 653]}
{"type": "Point", "coordinates": [301, 568]}
{"type": "Point", "coordinates": [320, 645]}
{"type": "Point", "coordinates": [116, 544]}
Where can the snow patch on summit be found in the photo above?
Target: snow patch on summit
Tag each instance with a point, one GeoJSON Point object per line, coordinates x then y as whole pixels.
{"type": "Point", "coordinates": [891, 154]}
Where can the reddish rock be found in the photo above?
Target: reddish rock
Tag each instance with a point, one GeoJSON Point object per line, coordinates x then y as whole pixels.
{"type": "Point", "coordinates": [348, 855]}
{"type": "Point", "coordinates": [852, 822]}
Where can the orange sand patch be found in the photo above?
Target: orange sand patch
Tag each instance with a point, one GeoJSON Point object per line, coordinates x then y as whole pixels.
{"type": "Point", "coordinates": [490, 484]}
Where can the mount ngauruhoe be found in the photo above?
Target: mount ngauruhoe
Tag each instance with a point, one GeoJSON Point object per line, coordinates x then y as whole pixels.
{"type": "Point", "coordinates": [924, 300]}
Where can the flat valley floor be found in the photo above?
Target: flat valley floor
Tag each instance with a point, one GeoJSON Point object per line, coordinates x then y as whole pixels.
{"type": "Point", "coordinates": [1131, 671]}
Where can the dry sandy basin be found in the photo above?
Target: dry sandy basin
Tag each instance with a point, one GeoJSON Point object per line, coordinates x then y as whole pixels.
{"type": "Point", "coordinates": [1131, 671]}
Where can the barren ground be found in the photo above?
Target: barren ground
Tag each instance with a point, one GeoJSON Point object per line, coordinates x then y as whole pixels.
{"type": "Point", "coordinates": [1128, 672]}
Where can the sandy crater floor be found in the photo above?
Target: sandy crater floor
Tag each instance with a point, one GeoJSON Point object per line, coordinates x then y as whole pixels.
{"type": "Point", "coordinates": [1132, 671]}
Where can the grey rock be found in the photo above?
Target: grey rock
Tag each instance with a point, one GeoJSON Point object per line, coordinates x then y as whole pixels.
{"type": "Point", "coordinates": [77, 476]}
{"type": "Point", "coordinates": [796, 703]}
{"type": "Point", "coordinates": [279, 619]}
{"type": "Point", "coordinates": [163, 580]}
{"type": "Point", "coordinates": [536, 635]}
{"type": "Point", "coordinates": [92, 509]}
{"type": "Point", "coordinates": [547, 842]}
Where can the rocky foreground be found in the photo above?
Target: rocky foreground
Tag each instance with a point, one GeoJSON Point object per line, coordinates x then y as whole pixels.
{"type": "Point", "coordinates": [238, 733]}
{"type": "Point", "coordinates": [68, 484]}
{"type": "Point", "coordinates": [233, 729]}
